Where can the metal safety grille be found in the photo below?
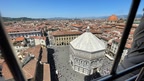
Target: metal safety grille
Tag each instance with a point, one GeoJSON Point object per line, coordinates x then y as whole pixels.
{"type": "Point", "coordinates": [114, 75]}
{"type": "Point", "coordinates": [9, 56]}
{"type": "Point", "coordinates": [15, 68]}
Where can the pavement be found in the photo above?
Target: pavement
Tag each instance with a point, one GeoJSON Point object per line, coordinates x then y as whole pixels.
{"type": "Point", "coordinates": [65, 71]}
{"type": "Point", "coordinates": [106, 66]}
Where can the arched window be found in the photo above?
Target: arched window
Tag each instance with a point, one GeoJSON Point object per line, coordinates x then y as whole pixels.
{"type": "Point", "coordinates": [86, 63]}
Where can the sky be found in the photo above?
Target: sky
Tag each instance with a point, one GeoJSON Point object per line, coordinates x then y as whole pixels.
{"type": "Point", "coordinates": [65, 8]}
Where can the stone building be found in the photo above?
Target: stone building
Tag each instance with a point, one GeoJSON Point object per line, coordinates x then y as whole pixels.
{"type": "Point", "coordinates": [19, 44]}
{"type": "Point", "coordinates": [25, 34]}
{"type": "Point", "coordinates": [85, 53]}
{"type": "Point", "coordinates": [112, 49]}
{"type": "Point", "coordinates": [64, 37]}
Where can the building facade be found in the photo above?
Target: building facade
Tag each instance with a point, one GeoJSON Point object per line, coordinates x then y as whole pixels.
{"type": "Point", "coordinates": [24, 34]}
{"type": "Point", "coordinates": [113, 47]}
{"type": "Point", "coordinates": [60, 38]}
{"type": "Point", "coordinates": [85, 53]}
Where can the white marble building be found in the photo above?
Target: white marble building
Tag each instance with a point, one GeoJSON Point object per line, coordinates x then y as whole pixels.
{"type": "Point", "coordinates": [85, 53]}
{"type": "Point", "coordinates": [40, 41]}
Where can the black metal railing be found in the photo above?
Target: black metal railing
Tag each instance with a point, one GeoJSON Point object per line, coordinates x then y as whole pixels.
{"type": "Point", "coordinates": [121, 73]}
{"type": "Point", "coordinates": [15, 68]}
{"type": "Point", "coordinates": [9, 55]}
{"type": "Point", "coordinates": [114, 75]}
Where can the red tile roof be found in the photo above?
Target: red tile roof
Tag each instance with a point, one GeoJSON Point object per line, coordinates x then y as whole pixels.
{"type": "Point", "coordinates": [61, 33]}
{"type": "Point", "coordinates": [6, 71]}
{"type": "Point", "coordinates": [30, 69]}
{"type": "Point", "coordinates": [120, 27]}
{"type": "Point", "coordinates": [77, 25]}
{"type": "Point", "coordinates": [44, 56]}
{"type": "Point", "coordinates": [8, 75]}
{"type": "Point", "coordinates": [27, 74]}
{"type": "Point", "coordinates": [105, 38]}
{"type": "Point", "coordinates": [117, 40]}
{"type": "Point", "coordinates": [113, 18]}
{"type": "Point", "coordinates": [121, 24]}
{"type": "Point", "coordinates": [46, 75]}
{"type": "Point", "coordinates": [106, 26]}
{"type": "Point", "coordinates": [38, 37]}
{"type": "Point", "coordinates": [19, 39]}
{"type": "Point", "coordinates": [96, 31]}
{"type": "Point", "coordinates": [33, 50]}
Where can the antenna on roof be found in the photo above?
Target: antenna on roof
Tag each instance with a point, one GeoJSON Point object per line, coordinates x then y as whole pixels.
{"type": "Point", "coordinates": [88, 29]}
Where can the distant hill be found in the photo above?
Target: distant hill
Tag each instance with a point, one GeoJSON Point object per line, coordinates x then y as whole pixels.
{"type": "Point", "coordinates": [63, 18]}
{"type": "Point", "coordinates": [125, 16]}
{"type": "Point", "coordinates": [121, 16]}
{"type": "Point", "coordinates": [21, 19]}
{"type": "Point", "coordinates": [101, 17]}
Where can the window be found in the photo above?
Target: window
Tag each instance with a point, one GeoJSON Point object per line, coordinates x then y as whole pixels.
{"type": "Point", "coordinates": [18, 51]}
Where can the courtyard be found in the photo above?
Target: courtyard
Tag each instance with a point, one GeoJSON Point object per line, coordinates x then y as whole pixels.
{"type": "Point", "coordinates": [65, 71]}
{"type": "Point", "coordinates": [63, 68]}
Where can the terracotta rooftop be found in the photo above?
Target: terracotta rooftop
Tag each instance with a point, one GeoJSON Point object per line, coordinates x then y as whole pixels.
{"type": "Point", "coordinates": [6, 72]}
{"type": "Point", "coordinates": [77, 25]}
{"type": "Point", "coordinates": [30, 69]}
{"type": "Point", "coordinates": [106, 26]}
{"type": "Point", "coordinates": [61, 33]}
{"type": "Point", "coordinates": [120, 27]}
{"type": "Point", "coordinates": [96, 31]}
{"type": "Point", "coordinates": [121, 24]}
{"type": "Point", "coordinates": [44, 56]}
{"type": "Point", "coordinates": [8, 75]}
{"type": "Point", "coordinates": [19, 39]}
{"type": "Point", "coordinates": [38, 37]}
{"type": "Point", "coordinates": [113, 18]}
{"type": "Point", "coordinates": [27, 74]}
{"type": "Point", "coordinates": [117, 40]}
{"type": "Point", "coordinates": [34, 51]}
{"type": "Point", "coordinates": [46, 75]}
{"type": "Point", "coordinates": [105, 38]}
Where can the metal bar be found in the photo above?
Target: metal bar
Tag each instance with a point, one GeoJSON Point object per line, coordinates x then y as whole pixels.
{"type": "Point", "coordinates": [9, 55]}
{"type": "Point", "coordinates": [122, 73]}
{"type": "Point", "coordinates": [132, 78]}
{"type": "Point", "coordinates": [140, 75]}
{"type": "Point", "coordinates": [128, 26]}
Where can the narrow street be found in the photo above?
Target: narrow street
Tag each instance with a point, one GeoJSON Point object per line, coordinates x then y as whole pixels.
{"type": "Point", "coordinates": [65, 71]}
{"type": "Point", "coordinates": [51, 61]}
